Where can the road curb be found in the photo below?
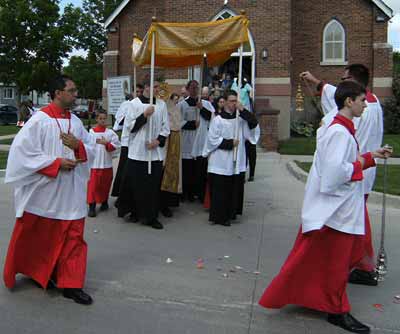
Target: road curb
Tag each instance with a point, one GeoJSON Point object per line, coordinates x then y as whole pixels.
{"type": "Point", "coordinates": [374, 197]}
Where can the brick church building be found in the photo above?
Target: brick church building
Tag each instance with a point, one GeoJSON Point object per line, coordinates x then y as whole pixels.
{"type": "Point", "coordinates": [286, 38]}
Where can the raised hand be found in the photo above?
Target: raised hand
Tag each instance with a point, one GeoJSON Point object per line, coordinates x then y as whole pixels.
{"type": "Point", "coordinates": [70, 140]}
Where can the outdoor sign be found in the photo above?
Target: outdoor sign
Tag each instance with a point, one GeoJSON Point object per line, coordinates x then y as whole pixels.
{"type": "Point", "coordinates": [117, 89]}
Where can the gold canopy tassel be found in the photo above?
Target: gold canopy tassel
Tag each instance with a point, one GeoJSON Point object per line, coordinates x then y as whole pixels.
{"type": "Point", "coordinates": [299, 99]}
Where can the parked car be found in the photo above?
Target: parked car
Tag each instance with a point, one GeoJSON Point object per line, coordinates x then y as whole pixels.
{"type": "Point", "coordinates": [8, 114]}
{"type": "Point", "coordinates": [82, 111]}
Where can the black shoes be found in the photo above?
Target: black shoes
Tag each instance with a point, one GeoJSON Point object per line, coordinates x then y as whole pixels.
{"type": "Point", "coordinates": [156, 225]}
{"type": "Point", "coordinates": [166, 212]}
{"type": "Point", "coordinates": [227, 223]}
{"type": "Point", "coordinates": [132, 218]}
{"type": "Point", "coordinates": [104, 206]}
{"type": "Point", "coordinates": [251, 179]}
{"type": "Point", "coordinates": [78, 296]}
{"type": "Point", "coordinates": [358, 276]}
{"type": "Point", "coordinates": [92, 210]}
{"type": "Point", "coordinates": [348, 322]}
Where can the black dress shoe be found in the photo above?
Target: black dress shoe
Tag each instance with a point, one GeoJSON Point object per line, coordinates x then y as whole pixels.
{"type": "Point", "coordinates": [358, 276]}
{"type": "Point", "coordinates": [104, 206]}
{"type": "Point", "coordinates": [228, 223]}
{"type": "Point", "coordinates": [50, 284]}
{"type": "Point", "coordinates": [133, 218]}
{"type": "Point", "coordinates": [251, 179]}
{"type": "Point", "coordinates": [166, 212]}
{"type": "Point", "coordinates": [348, 322]}
{"type": "Point", "coordinates": [156, 225]}
{"type": "Point", "coordinates": [78, 296]}
{"type": "Point", "coordinates": [92, 210]}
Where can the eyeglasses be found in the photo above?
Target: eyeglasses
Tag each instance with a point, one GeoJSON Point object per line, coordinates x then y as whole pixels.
{"type": "Point", "coordinates": [347, 78]}
{"type": "Point", "coordinates": [71, 90]}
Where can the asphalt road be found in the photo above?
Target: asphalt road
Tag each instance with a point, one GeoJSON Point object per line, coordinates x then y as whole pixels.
{"type": "Point", "coordinates": [137, 291]}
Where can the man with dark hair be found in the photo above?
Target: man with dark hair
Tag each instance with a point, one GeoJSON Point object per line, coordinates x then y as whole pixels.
{"type": "Point", "coordinates": [354, 72]}
{"type": "Point", "coordinates": [49, 167]}
{"type": "Point", "coordinates": [330, 242]}
{"type": "Point", "coordinates": [190, 122]}
{"type": "Point", "coordinates": [119, 126]}
{"type": "Point", "coordinates": [139, 90]}
{"type": "Point", "coordinates": [369, 136]}
{"type": "Point", "coordinates": [227, 165]}
{"type": "Point", "coordinates": [140, 191]}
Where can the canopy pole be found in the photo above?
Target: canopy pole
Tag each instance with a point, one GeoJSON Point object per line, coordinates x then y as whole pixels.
{"type": "Point", "coordinates": [134, 73]}
{"type": "Point", "coordinates": [134, 81]}
{"type": "Point", "coordinates": [200, 86]}
{"type": "Point", "coordinates": [238, 98]}
{"type": "Point", "coordinates": [153, 53]}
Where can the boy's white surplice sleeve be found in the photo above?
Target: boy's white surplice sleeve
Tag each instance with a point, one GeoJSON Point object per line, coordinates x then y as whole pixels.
{"type": "Point", "coordinates": [328, 98]}
{"type": "Point", "coordinates": [214, 138]}
{"type": "Point", "coordinates": [165, 130]}
{"type": "Point", "coordinates": [335, 169]}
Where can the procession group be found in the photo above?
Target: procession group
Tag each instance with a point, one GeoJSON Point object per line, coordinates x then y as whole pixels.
{"type": "Point", "coordinates": [191, 149]}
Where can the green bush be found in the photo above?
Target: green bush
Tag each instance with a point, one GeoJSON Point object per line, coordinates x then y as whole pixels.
{"type": "Point", "coordinates": [391, 109]}
{"type": "Point", "coordinates": [302, 129]}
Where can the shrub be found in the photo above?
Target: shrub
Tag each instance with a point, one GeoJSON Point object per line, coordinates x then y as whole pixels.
{"type": "Point", "coordinates": [302, 129]}
{"type": "Point", "coordinates": [392, 109]}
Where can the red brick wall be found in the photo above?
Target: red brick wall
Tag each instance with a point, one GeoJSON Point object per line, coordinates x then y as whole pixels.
{"type": "Point", "coordinates": [293, 41]}
{"type": "Point", "coordinates": [270, 26]}
{"type": "Point", "coordinates": [358, 19]}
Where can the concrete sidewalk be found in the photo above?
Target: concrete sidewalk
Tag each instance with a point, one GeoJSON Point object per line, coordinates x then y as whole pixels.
{"type": "Point", "coordinates": [309, 158]}
{"type": "Point", "coordinates": [7, 137]}
{"type": "Point", "coordinates": [136, 291]}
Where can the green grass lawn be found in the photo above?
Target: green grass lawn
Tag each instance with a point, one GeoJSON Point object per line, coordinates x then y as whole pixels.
{"type": "Point", "coordinates": [306, 146]}
{"type": "Point", "coordinates": [3, 159]}
{"type": "Point", "coordinates": [8, 130]}
{"type": "Point", "coordinates": [6, 141]}
{"type": "Point", "coordinates": [393, 177]}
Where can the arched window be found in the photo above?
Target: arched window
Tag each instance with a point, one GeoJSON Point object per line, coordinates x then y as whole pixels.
{"type": "Point", "coordinates": [334, 43]}
{"type": "Point", "coordinates": [226, 14]}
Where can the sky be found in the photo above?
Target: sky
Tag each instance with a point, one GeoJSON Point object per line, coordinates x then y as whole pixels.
{"type": "Point", "coordinates": [394, 26]}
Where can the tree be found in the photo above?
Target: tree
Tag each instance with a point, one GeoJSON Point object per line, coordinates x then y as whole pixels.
{"type": "Point", "coordinates": [396, 63]}
{"type": "Point", "coordinates": [87, 74]}
{"type": "Point", "coordinates": [93, 35]}
{"type": "Point", "coordinates": [34, 39]}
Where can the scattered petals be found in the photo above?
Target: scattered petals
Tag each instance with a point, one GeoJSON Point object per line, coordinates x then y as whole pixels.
{"type": "Point", "coordinates": [200, 264]}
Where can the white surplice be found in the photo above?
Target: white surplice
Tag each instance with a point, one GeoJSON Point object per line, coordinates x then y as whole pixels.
{"type": "Point", "coordinates": [119, 117]}
{"type": "Point", "coordinates": [331, 198]}
{"type": "Point", "coordinates": [221, 161]}
{"type": "Point", "coordinates": [202, 131]}
{"type": "Point", "coordinates": [369, 128]}
{"type": "Point", "coordinates": [103, 158]}
{"type": "Point", "coordinates": [37, 146]}
{"type": "Point", "coordinates": [137, 149]}
{"type": "Point", "coordinates": [188, 114]}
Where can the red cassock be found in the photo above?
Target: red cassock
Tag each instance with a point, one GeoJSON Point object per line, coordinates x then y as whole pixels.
{"type": "Point", "coordinates": [100, 181]}
{"type": "Point", "coordinates": [99, 185]}
{"type": "Point", "coordinates": [44, 248]}
{"type": "Point", "coordinates": [207, 199]}
{"type": "Point", "coordinates": [316, 272]}
{"type": "Point", "coordinates": [367, 262]}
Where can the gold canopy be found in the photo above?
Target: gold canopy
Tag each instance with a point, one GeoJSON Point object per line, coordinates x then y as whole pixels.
{"type": "Point", "coordinates": [184, 44]}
